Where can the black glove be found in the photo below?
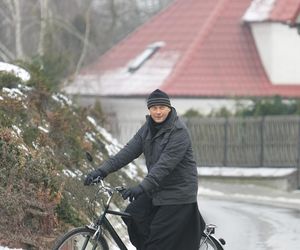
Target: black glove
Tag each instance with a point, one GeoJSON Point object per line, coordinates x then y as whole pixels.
{"type": "Point", "coordinates": [133, 193]}
{"type": "Point", "coordinates": [93, 175]}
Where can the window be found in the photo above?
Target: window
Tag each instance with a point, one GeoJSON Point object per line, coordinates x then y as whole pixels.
{"type": "Point", "coordinates": [144, 56]}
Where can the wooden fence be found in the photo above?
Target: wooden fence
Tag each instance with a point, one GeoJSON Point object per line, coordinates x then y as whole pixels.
{"type": "Point", "coordinates": [272, 141]}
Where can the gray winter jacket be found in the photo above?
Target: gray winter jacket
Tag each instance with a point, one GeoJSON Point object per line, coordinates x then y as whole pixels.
{"type": "Point", "coordinates": [172, 173]}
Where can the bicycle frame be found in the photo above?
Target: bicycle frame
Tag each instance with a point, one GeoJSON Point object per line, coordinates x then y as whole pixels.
{"type": "Point", "coordinates": [103, 221]}
{"type": "Point", "coordinates": [114, 234]}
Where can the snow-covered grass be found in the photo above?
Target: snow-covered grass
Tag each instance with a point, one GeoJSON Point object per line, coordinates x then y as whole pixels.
{"type": "Point", "coordinates": [16, 70]}
{"type": "Point", "coordinates": [114, 146]}
{"type": "Point", "coordinates": [6, 248]}
{"type": "Point", "coordinates": [62, 99]}
{"type": "Point", "coordinates": [38, 143]}
{"type": "Point", "coordinates": [13, 93]}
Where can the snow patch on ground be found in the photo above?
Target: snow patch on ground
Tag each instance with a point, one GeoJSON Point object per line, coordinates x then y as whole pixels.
{"type": "Point", "coordinates": [245, 172]}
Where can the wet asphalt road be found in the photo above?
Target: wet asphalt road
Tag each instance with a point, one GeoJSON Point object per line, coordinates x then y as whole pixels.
{"type": "Point", "coordinates": [247, 226]}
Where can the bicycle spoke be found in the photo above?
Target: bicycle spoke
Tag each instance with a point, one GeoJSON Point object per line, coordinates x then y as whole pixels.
{"type": "Point", "coordinates": [86, 243]}
{"type": "Point", "coordinates": [81, 239]}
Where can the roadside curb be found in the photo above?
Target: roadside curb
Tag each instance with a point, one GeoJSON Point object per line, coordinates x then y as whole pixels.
{"type": "Point", "coordinates": [251, 194]}
{"type": "Point", "coordinates": [285, 179]}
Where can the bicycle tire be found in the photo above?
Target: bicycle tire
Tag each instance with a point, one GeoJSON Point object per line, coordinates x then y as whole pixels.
{"type": "Point", "coordinates": [209, 243]}
{"type": "Point", "coordinates": [77, 238]}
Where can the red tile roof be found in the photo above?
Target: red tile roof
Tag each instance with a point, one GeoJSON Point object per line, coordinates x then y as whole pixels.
{"type": "Point", "coordinates": [215, 52]}
{"type": "Point", "coordinates": [285, 11]}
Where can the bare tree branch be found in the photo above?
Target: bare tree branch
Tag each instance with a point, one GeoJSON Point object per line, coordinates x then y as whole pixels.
{"type": "Point", "coordinates": [9, 4]}
{"type": "Point", "coordinates": [44, 17]}
{"type": "Point", "coordinates": [4, 13]}
{"type": "Point", "coordinates": [69, 28]}
{"type": "Point", "coordinates": [86, 38]}
{"type": "Point", "coordinates": [3, 57]}
{"type": "Point", "coordinates": [7, 55]}
{"type": "Point", "coordinates": [26, 23]}
{"type": "Point", "coordinates": [17, 21]}
{"type": "Point", "coordinates": [114, 13]}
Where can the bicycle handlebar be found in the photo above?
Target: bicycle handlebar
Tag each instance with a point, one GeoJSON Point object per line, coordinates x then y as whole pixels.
{"type": "Point", "coordinates": [108, 189]}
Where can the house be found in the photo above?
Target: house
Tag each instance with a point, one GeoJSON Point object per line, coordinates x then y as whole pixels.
{"type": "Point", "coordinates": [204, 54]}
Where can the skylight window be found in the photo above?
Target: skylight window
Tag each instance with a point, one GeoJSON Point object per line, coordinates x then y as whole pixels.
{"type": "Point", "coordinates": [144, 56]}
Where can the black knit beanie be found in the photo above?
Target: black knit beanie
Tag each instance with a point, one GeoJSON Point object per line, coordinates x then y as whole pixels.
{"type": "Point", "coordinates": [158, 97]}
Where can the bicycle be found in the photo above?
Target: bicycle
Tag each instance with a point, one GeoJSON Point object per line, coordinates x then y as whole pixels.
{"type": "Point", "coordinates": [93, 236]}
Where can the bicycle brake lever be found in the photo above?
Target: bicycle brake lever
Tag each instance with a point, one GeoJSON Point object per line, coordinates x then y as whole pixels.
{"type": "Point", "coordinates": [120, 189]}
{"type": "Point", "coordinates": [97, 180]}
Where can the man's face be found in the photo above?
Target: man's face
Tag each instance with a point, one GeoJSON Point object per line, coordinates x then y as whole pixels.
{"type": "Point", "coordinates": [159, 113]}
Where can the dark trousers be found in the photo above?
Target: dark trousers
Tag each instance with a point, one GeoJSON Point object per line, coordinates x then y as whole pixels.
{"type": "Point", "coordinates": [168, 227]}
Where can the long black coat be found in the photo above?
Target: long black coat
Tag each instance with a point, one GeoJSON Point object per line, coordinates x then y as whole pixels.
{"type": "Point", "coordinates": [172, 174]}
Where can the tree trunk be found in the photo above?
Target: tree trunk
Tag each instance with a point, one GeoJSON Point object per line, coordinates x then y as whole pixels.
{"type": "Point", "coordinates": [18, 29]}
{"type": "Point", "coordinates": [86, 38]}
{"type": "Point", "coordinates": [43, 26]}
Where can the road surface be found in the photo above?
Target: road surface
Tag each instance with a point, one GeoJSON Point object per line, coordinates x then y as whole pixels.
{"type": "Point", "coordinates": [247, 226]}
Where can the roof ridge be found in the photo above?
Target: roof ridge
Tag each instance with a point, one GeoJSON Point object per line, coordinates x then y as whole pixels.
{"type": "Point", "coordinates": [198, 40]}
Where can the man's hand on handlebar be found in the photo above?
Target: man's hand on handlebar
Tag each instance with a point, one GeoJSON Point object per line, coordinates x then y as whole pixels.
{"type": "Point", "coordinates": [98, 173]}
{"type": "Point", "coordinates": [132, 193]}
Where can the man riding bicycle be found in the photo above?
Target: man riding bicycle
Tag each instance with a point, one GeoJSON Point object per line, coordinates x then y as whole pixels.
{"type": "Point", "coordinates": [165, 214]}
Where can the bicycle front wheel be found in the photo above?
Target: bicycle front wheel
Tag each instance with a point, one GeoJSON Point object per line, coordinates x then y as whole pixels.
{"type": "Point", "coordinates": [209, 243]}
{"type": "Point", "coordinates": [80, 238]}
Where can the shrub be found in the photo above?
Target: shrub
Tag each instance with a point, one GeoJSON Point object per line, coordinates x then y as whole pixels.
{"type": "Point", "coordinates": [270, 106]}
{"type": "Point", "coordinates": [46, 72]}
{"type": "Point", "coordinates": [67, 213]}
{"type": "Point", "coordinates": [192, 113]}
{"type": "Point", "coordinates": [9, 80]}
{"type": "Point", "coordinates": [275, 105]}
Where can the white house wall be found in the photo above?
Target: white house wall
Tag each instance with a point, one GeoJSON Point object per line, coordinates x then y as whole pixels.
{"type": "Point", "coordinates": [136, 108]}
{"type": "Point", "coordinates": [279, 49]}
